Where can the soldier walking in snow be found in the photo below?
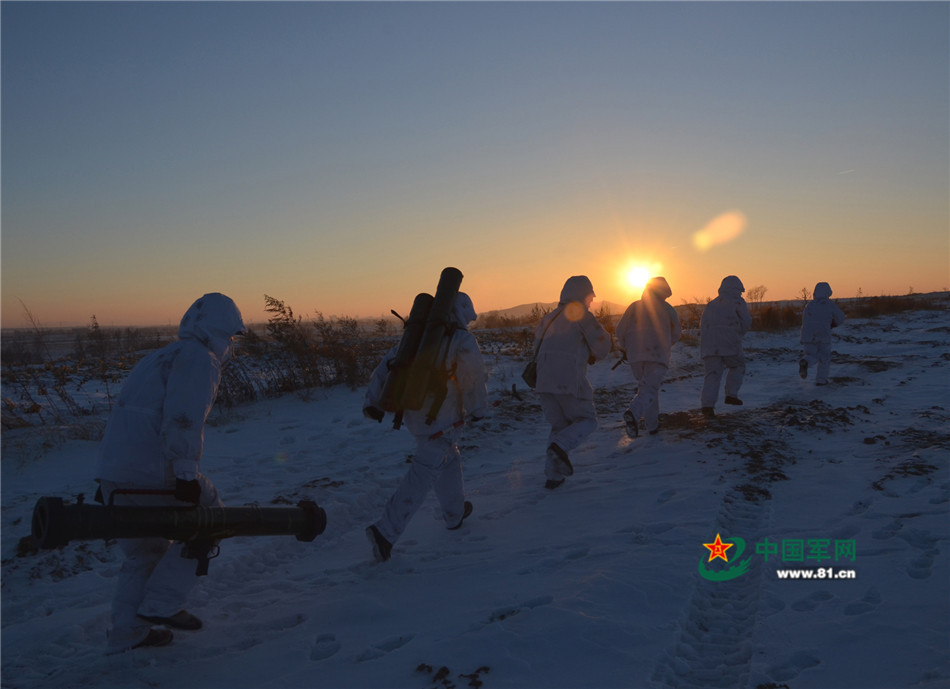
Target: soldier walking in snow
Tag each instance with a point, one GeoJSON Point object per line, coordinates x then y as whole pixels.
{"type": "Point", "coordinates": [646, 332]}
{"type": "Point", "coordinates": [567, 340]}
{"type": "Point", "coordinates": [726, 319]}
{"type": "Point", "coordinates": [153, 441]}
{"type": "Point", "coordinates": [821, 315]}
{"type": "Point", "coordinates": [436, 463]}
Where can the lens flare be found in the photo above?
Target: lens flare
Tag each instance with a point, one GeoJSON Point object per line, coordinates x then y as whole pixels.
{"type": "Point", "coordinates": [721, 229]}
{"type": "Point", "coordinates": [574, 311]}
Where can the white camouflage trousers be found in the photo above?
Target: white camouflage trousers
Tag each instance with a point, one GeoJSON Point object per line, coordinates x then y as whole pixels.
{"type": "Point", "coordinates": [436, 465]}
{"type": "Point", "coordinates": [155, 579]}
{"type": "Point", "coordinates": [646, 404]}
{"type": "Point", "coordinates": [571, 419]}
{"type": "Point", "coordinates": [715, 367]}
{"type": "Point", "coordinates": [818, 353]}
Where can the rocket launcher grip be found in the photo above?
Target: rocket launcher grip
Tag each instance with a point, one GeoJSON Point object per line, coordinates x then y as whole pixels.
{"type": "Point", "coordinates": [56, 523]}
{"type": "Point", "coordinates": [437, 324]}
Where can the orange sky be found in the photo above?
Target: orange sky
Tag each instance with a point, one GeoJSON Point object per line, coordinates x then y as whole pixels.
{"type": "Point", "coordinates": [153, 152]}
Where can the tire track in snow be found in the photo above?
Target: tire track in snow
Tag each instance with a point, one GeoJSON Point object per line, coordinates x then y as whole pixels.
{"type": "Point", "coordinates": [715, 644]}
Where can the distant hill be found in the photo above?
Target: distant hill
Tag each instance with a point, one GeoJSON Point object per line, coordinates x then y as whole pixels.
{"type": "Point", "coordinates": [788, 311]}
{"type": "Point", "coordinates": [525, 313]}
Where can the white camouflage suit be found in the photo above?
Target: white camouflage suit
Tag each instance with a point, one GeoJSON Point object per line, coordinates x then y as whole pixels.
{"type": "Point", "coordinates": [571, 339]}
{"type": "Point", "coordinates": [436, 464]}
{"type": "Point", "coordinates": [646, 332]}
{"type": "Point", "coordinates": [726, 319]}
{"type": "Point", "coordinates": [155, 436]}
{"type": "Point", "coordinates": [820, 316]}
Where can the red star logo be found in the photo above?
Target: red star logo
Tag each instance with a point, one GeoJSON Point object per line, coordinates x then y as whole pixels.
{"type": "Point", "coordinates": [718, 549]}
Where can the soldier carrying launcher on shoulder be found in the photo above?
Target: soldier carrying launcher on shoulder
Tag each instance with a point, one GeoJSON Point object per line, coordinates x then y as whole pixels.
{"type": "Point", "coordinates": [432, 380]}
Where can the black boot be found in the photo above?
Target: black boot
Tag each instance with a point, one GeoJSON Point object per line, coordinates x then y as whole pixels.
{"type": "Point", "coordinates": [382, 549]}
{"type": "Point", "coordinates": [156, 637]}
{"type": "Point", "coordinates": [466, 511]}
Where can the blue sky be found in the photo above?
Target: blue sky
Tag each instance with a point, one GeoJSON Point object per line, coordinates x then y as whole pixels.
{"type": "Point", "coordinates": [339, 155]}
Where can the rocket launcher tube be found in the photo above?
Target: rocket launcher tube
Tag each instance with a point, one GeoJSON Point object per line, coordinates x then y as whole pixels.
{"type": "Point", "coordinates": [55, 523]}
{"type": "Point", "coordinates": [437, 325]}
{"type": "Point", "coordinates": [394, 388]}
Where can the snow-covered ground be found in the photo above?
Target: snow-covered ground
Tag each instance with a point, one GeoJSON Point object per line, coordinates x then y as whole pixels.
{"type": "Point", "coordinates": [597, 584]}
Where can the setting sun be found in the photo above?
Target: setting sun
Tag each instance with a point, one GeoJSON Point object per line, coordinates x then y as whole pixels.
{"type": "Point", "coordinates": [637, 277]}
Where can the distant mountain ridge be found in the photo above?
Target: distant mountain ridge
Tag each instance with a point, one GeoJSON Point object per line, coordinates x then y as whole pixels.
{"type": "Point", "coordinates": [524, 310]}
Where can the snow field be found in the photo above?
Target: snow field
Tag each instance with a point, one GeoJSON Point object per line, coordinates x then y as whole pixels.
{"type": "Point", "coordinates": [592, 585]}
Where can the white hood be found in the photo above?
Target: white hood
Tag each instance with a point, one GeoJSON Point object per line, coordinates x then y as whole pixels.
{"type": "Point", "coordinates": [463, 311]}
{"type": "Point", "coordinates": [213, 320]}
{"type": "Point", "coordinates": [822, 291]}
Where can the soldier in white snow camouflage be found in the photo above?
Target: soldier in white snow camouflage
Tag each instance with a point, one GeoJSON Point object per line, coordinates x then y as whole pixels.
{"type": "Point", "coordinates": [436, 464]}
{"type": "Point", "coordinates": [570, 340]}
{"type": "Point", "coordinates": [154, 441]}
{"type": "Point", "coordinates": [646, 332]}
{"type": "Point", "coordinates": [726, 319]}
{"type": "Point", "coordinates": [820, 316]}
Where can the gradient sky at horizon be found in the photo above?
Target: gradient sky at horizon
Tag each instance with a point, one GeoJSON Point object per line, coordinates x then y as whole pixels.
{"type": "Point", "coordinates": [338, 155]}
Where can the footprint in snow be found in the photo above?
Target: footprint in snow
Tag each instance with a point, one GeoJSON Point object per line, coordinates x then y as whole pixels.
{"type": "Point", "coordinates": [869, 602]}
{"type": "Point", "coordinates": [812, 601]}
{"type": "Point", "coordinates": [888, 531]}
{"type": "Point", "coordinates": [845, 532]}
{"type": "Point", "coordinates": [792, 667]}
{"type": "Point", "coordinates": [288, 622]}
{"type": "Point", "coordinates": [771, 605]}
{"type": "Point", "coordinates": [504, 613]}
{"type": "Point", "coordinates": [324, 646]}
{"type": "Point", "coordinates": [922, 566]}
{"type": "Point", "coordinates": [944, 496]}
{"type": "Point", "coordinates": [383, 647]}
{"type": "Point", "coordinates": [557, 561]}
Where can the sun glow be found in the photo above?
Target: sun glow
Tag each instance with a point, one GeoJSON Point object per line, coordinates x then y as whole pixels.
{"type": "Point", "coordinates": [636, 276]}
{"type": "Point", "coordinates": [633, 274]}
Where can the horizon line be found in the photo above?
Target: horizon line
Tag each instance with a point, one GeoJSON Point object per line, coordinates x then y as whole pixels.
{"type": "Point", "coordinates": [394, 319]}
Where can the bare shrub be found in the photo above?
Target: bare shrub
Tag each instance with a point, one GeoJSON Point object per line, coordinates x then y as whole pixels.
{"type": "Point", "coordinates": [349, 357]}
{"type": "Point", "coordinates": [494, 320]}
{"type": "Point", "coordinates": [296, 354]}
{"type": "Point", "coordinates": [805, 296]}
{"type": "Point", "coordinates": [776, 318]}
{"type": "Point", "coordinates": [755, 295]}
{"type": "Point", "coordinates": [606, 319]}
{"type": "Point", "coordinates": [327, 351]}
{"type": "Point", "coordinates": [869, 307]}
{"type": "Point", "coordinates": [690, 314]}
